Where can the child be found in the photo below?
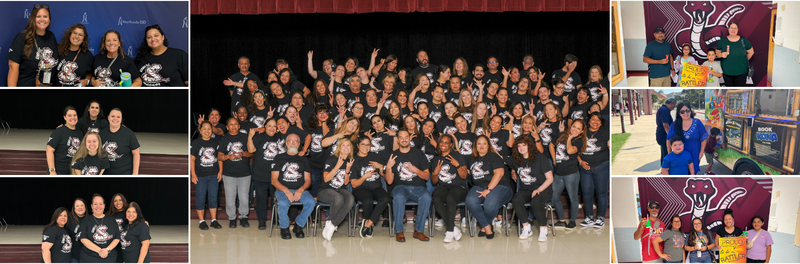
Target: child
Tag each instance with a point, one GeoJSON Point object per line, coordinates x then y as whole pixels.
{"type": "Point", "coordinates": [714, 70]}
{"type": "Point", "coordinates": [678, 162]}
{"type": "Point", "coordinates": [686, 56]}
{"type": "Point", "coordinates": [711, 145]}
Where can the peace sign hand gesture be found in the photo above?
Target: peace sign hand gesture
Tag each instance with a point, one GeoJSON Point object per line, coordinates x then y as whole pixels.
{"type": "Point", "coordinates": [350, 164]}
{"type": "Point", "coordinates": [201, 119]}
{"type": "Point", "coordinates": [561, 126]}
{"type": "Point", "coordinates": [453, 161]}
{"type": "Point", "coordinates": [310, 54]}
{"type": "Point", "coordinates": [375, 53]}
{"type": "Point", "coordinates": [391, 161]}
{"type": "Point", "coordinates": [603, 90]}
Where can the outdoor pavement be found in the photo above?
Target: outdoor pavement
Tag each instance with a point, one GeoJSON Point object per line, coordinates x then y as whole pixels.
{"type": "Point", "coordinates": [641, 155]}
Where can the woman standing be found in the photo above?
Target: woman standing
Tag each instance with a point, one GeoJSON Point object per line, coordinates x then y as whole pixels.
{"type": "Point", "coordinates": [564, 152]}
{"type": "Point", "coordinates": [63, 144]}
{"type": "Point", "coordinates": [761, 240]}
{"type": "Point", "coordinates": [111, 63]}
{"type": "Point", "coordinates": [121, 145]}
{"type": "Point", "coordinates": [449, 176]}
{"type": "Point", "coordinates": [427, 139]}
{"type": "Point", "coordinates": [75, 66]}
{"type": "Point", "coordinates": [550, 127]}
{"type": "Point", "coordinates": [117, 209]}
{"type": "Point", "coordinates": [321, 95]}
{"type": "Point", "coordinates": [99, 235]}
{"type": "Point", "coordinates": [74, 225]}
{"type": "Point", "coordinates": [348, 131]}
{"type": "Point", "coordinates": [503, 137]}
{"type": "Point", "coordinates": [264, 147]}
{"type": "Point", "coordinates": [491, 187]}
{"type": "Point", "coordinates": [594, 171]}
{"type": "Point", "coordinates": [367, 186]}
{"type": "Point", "coordinates": [534, 177]}
{"type": "Point", "coordinates": [464, 138]}
{"type": "Point", "coordinates": [93, 118]}
{"type": "Point", "coordinates": [673, 239]}
{"type": "Point", "coordinates": [333, 191]}
{"type": "Point", "coordinates": [33, 55]}
{"type": "Point", "coordinates": [56, 240]}
{"type": "Point", "coordinates": [206, 174]}
{"type": "Point", "coordinates": [529, 130]}
{"type": "Point", "coordinates": [235, 172]}
{"type": "Point", "coordinates": [88, 160]}
{"type": "Point", "coordinates": [693, 132]}
{"type": "Point", "coordinates": [291, 84]}
{"type": "Point", "coordinates": [699, 243]}
{"type": "Point", "coordinates": [382, 139]}
{"type": "Point", "coordinates": [160, 65]}
{"type": "Point", "coordinates": [136, 236]}
{"type": "Point", "coordinates": [735, 60]}
{"type": "Point", "coordinates": [318, 126]}
{"type": "Point", "coordinates": [728, 229]}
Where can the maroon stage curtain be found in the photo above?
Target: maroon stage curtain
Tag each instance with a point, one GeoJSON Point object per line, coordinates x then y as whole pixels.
{"type": "Point", "coordinates": [255, 7]}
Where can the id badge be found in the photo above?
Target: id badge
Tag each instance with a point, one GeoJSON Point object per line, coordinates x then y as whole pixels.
{"type": "Point", "coordinates": [46, 77]}
{"type": "Point", "coordinates": [698, 253]}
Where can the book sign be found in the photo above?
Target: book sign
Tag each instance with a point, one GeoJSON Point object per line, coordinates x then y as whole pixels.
{"type": "Point", "coordinates": [767, 143]}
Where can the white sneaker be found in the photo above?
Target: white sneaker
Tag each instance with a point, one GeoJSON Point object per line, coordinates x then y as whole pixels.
{"type": "Point", "coordinates": [542, 234]}
{"type": "Point", "coordinates": [497, 223]}
{"type": "Point", "coordinates": [448, 237]}
{"type": "Point", "coordinates": [463, 222]}
{"type": "Point", "coordinates": [457, 233]}
{"type": "Point", "coordinates": [439, 222]}
{"type": "Point", "coordinates": [526, 232]}
{"type": "Point", "coordinates": [327, 231]}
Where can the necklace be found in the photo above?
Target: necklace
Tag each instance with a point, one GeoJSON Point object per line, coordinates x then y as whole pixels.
{"type": "Point", "coordinates": [595, 133]}
{"type": "Point", "coordinates": [95, 220]}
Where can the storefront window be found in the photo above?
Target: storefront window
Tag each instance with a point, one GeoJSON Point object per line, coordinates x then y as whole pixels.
{"type": "Point", "coordinates": [737, 102]}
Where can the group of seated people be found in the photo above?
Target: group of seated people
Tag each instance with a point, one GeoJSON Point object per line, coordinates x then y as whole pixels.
{"type": "Point", "coordinates": [118, 235]}
{"type": "Point", "coordinates": [389, 135]}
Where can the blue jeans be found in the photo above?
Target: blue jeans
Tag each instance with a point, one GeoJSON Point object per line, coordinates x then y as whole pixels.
{"type": "Point", "coordinates": [595, 180]}
{"type": "Point", "coordinates": [316, 181]}
{"type": "Point", "coordinates": [570, 182]}
{"type": "Point", "coordinates": [283, 208]}
{"type": "Point", "coordinates": [206, 185]}
{"type": "Point", "coordinates": [498, 197]}
{"type": "Point", "coordinates": [403, 193]}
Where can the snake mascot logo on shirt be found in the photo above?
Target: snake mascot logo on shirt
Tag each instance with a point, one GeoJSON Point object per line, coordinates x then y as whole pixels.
{"type": "Point", "coordinates": [90, 170]}
{"type": "Point", "coordinates": [376, 145]}
{"type": "Point", "coordinates": [207, 158]}
{"type": "Point", "coordinates": [316, 142]}
{"type": "Point", "coordinates": [47, 53]}
{"type": "Point", "coordinates": [258, 120]}
{"type": "Point", "coordinates": [494, 144]}
{"type": "Point", "coordinates": [436, 116]}
{"type": "Point", "coordinates": [66, 242]}
{"type": "Point", "coordinates": [150, 75]}
{"type": "Point", "coordinates": [124, 242]}
{"type": "Point", "coordinates": [561, 153]}
{"type": "Point", "coordinates": [67, 72]}
{"type": "Point", "coordinates": [525, 175]}
{"type": "Point", "coordinates": [291, 173]}
{"type": "Point", "coordinates": [477, 172]}
{"type": "Point", "coordinates": [338, 180]}
{"type": "Point", "coordinates": [701, 191]}
{"type": "Point", "coordinates": [591, 146]}
{"type": "Point", "coordinates": [445, 175]}
{"type": "Point", "coordinates": [545, 135]}
{"type": "Point", "coordinates": [368, 169]}
{"type": "Point", "coordinates": [702, 33]}
{"type": "Point", "coordinates": [577, 115]}
{"type": "Point", "coordinates": [235, 147]}
{"type": "Point", "coordinates": [100, 234]}
{"type": "Point", "coordinates": [104, 74]}
{"type": "Point", "coordinates": [111, 148]}
{"type": "Point", "coordinates": [467, 116]}
{"type": "Point", "coordinates": [73, 143]}
{"type": "Point", "coordinates": [466, 146]}
{"type": "Point", "coordinates": [405, 174]}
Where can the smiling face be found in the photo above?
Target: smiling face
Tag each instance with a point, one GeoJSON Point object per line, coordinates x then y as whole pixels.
{"type": "Point", "coordinates": [131, 214]}
{"type": "Point", "coordinates": [319, 86]}
{"type": "Point", "coordinates": [428, 127]}
{"type": "Point", "coordinates": [514, 74]}
{"type": "Point", "coordinates": [205, 131]}
{"type": "Point", "coordinates": [522, 87]}
{"type": "Point", "coordinates": [340, 71]}
{"type": "Point", "coordinates": [482, 145]}
{"type": "Point", "coordinates": [422, 58]}
{"type": "Point", "coordinates": [445, 75]}
{"type": "Point", "coordinates": [697, 225]}
{"type": "Point", "coordinates": [241, 113]}
{"type": "Point", "coordinates": [276, 89]}
{"type": "Point", "coordinates": [493, 89]}
{"type": "Point", "coordinates": [362, 73]}
{"type": "Point", "coordinates": [543, 93]}
{"type": "Point", "coordinates": [98, 205]}
{"type": "Point", "coordinates": [76, 37]}
{"type": "Point", "coordinates": [495, 123]}
{"type": "Point", "coordinates": [154, 38]}
{"type": "Point", "coordinates": [42, 19]}
{"type": "Point", "coordinates": [728, 220]}
{"type": "Point", "coordinates": [71, 118]}
{"type": "Point", "coordinates": [94, 110]}
{"type": "Point", "coordinates": [576, 128]}
{"type": "Point", "coordinates": [685, 112]}
{"type": "Point", "coordinates": [481, 110]}
{"type": "Point", "coordinates": [478, 73]}
{"type": "Point", "coordinates": [326, 66]}
{"type": "Point", "coordinates": [394, 109]}
{"type": "Point", "coordinates": [351, 127]}
{"type": "Point", "coordinates": [62, 219]}
{"type": "Point", "coordinates": [527, 124]}
{"type": "Point", "coordinates": [213, 117]}
{"type": "Point", "coordinates": [364, 147]}
{"type": "Point", "coordinates": [595, 123]}
{"type": "Point", "coordinates": [79, 208]}
{"type": "Point", "coordinates": [282, 125]}
{"type": "Point", "coordinates": [676, 223]}
{"type": "Point", "coordinates": [291, 114]}
{"type": "Point", "coordinates": [118, 203]}
{"type": "Point", "coordinates": [686, 50]}
{"type": "Point", "coordinates": [517, 111]}
{"type": "Point", "coordinates": [271, 127]}
{"type": "Point", "coordinates": [445, 144]}
{"type": "Point", "coordinates": [252, 86]}
{"type": "Point", "coordinates": [358, 110]}
{"type": "Point", "coordinates": [285, 76]}
{"type": "Point", "coordinates": [423, 110]}
{"type": "Point", "coordinates": [582, 96]}
{"type": "Point", "coordinates": [112, 42]}
{"type": "Point", "coordinates": [403, 139]}
{"type": "Point", "coordinates": [341, 100]}
{"type": "Point", "coordinates": [346, 148]}
{"type": "Point", "coordinates": [437, 94]}
{"type": "Point", "coordinates": [677, 147]}
{"type": "Point", "coordinates": [551, 112]}
{"type": "Point", "coordinates": [522, 148]}
{"type": "Point", "coordinates": [258, 98]}
{"type": "Point", "coordinates": [757, 224]}
{"type": "Point", "coordinates": [450, 109]}
{"type": "Point", "coordinates": [372, 97]}
{"type": "Point", "coordinates": [459, 66]}
{"type": "Point", "coordinates": [594, 74]}
{"type": "Point", "coordinates": [233, 126]}
{"type": "Point", "coordinates": [350, 65]}
{"type": "Point", "coordinates": [402, 97]}
{"type": "Point", "coordinates": [92, 143]}
{"type": "Point", "coordinates": [461, 124]}
{"type": "Point", "coordinates": [733, 29]}
{"type": "Point", "coordinates": [244, 64]}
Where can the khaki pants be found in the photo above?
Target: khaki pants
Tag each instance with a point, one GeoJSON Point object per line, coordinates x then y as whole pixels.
{"type": "Point", "coordinates": [661, 82]}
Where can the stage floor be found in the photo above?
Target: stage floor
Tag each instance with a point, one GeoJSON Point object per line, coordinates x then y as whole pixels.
{"type": "Point", "coordinates": [31, 234]}
{"type": "Point", "coordinates": [151, 143]}
{"type": "Point", "coordinates": [249, 245]}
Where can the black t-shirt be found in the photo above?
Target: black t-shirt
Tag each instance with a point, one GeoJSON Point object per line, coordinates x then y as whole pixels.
{"type": "Point", "coordinates": [530, 175]}
{"type": "Point", "coordinates": [352, 98]}
{"type": "Point", "coordinates": [91, 165]}
{"type": "Point", "coordinates": [335, 144]}
{"type": "Point", "coordinates": [316, 153]}
{"type": "Point", "coordinates": [448, 175]}
{"type": "Point", "coordinates": [499, 141]}
{"type": "Point", "coordinates": [525, 99]}
{"type": "Point", "coordinates": [66, 142]}
{"type": "Point", "coordinates": [258, 117]}
{"type": "Point", "coordinates": [61, 251]}
{"type": "Point", "coordinates": [516, 128]}
{"type": "Point", "coordinates": [436, 110]}
{"type": "Point", "coordinates": [361, 167]}
{"type": "Point", "coordinates": [382, 145]}
{"type": "Point", "coordinates": [594, 90]}
{"type": "Point", "coordinates": [446, 125]}
{"type": "Point", "coordinates": [29, 66]}
{"type": "Point", "coordinates": [171, 68]}
{"type": "Point", "coordinates": [339, 87]}
{"type": "Point", "coordinates": [293, 129]}
{"type": "Point", "coordinates": [580, 111]}
{"type": "Point", "coordinates": [245, 126]}
{"type": "Point", "coordinates": [737, 232]}
{"type": "Point", "coordinates": [131, 242]}
{"type": "Point", "coordinates": [445, 85]}
{"type": "Point", "coordinates": [493, 77]}
{"type": "Point", "coordinates": [266, 150]}
{"type": "Point", "coordinates": [119, 146]}
{"type": "Point", "coordinates": [230, 144]}
{"type": "Point", "coordinates": [237, 92]}
{"type": "Point", "coordinates": [429, 71]}
{"type": "Point", "coordinates": [93, 126]}
{"type": "Point", "coordinates": [558, 100]}
{"type": "Point", "coordinates": [549, 133]}
{"type": "Point", "coordinates": [511, 86]}
{"type": "Point", "coordinates": [294, 86]}
{"type": "Point", "coordinates": [305, 113]}
{"type": "Point", "coordinates": [280, 104]}
{"type": "Point", "coordinates": [292, 170]}
{"type": "Point", "coordinates": [571, 85]}
{"type": "Point", "coordinates": [538, 109]}
{"type": "Point", "coordinates": [69, 72]}
{"type": "Point", "coordinates": [424, 144]}
{"type": "Point", "coordinates": [337, 182]}
{"type": "Point", "coordinates": [465, 142]}
{"type": "Point", "coordinates": [403, 176]}
{"type": "Point", "coordinates": [596, 147]}
{"type": "Point", "coordinates": [369, 111]}
{"type": "Point", "coordinates": [112, 76]}
{"type": "Point", "coordinates": [101, 232]}
{"type": "Point", "coordinates": [205, 153]}
{"type": "Point", "coordinates": [567, 164]}
{"type": "Point", "coordinates": [481, 169]}
{"type": "Point", "coordinates": [321, 75]}
{"type": "Point", "coordinates": [424, 97]}
{"type": "Point", "coordinates": [73, 228]}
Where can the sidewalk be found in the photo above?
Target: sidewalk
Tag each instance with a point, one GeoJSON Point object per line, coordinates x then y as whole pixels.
{"type": "Point", "coordinates": [616, 128]}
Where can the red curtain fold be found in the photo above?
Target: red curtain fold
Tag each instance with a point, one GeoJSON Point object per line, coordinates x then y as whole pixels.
{"type": "Point", "coordinates": [254, 7]}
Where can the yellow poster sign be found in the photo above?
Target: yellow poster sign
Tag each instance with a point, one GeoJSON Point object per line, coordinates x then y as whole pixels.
{"type": "Point", "coordinates": [732, 249]}
{"type": "Point", "coordinates": [693, 75]}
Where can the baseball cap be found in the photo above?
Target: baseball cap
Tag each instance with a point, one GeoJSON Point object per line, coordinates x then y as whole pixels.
{"type": "Point", "coordinates": [659, 29]}
{"type": "Point", "coordinates": [651, 202]}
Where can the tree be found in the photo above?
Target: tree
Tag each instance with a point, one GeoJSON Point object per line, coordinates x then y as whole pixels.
{"type": "Point", "coordinates": [693, 97]}
{"type": "Point", "coordinates": [654, 97]}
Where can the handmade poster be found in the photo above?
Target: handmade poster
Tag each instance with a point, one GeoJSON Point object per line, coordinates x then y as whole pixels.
{"type": "Point", "coordinates": [693, 75]}
{"type": "Point", "coordinates": [733, 250]}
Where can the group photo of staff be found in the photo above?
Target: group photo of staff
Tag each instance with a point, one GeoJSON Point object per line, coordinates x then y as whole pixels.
{"type": "Point", "coordinates": [97, 44]}
{"type": "Point", "coordinates": [94, 132]}
{"type": "Point", "coordinates": [95, 221]}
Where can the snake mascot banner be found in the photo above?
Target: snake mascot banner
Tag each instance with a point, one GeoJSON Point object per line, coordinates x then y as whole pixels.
{"type": "Point", "coordinates": [128, 18]}
{"type": "Point", "coordinates": [702, 24]}
{"type": "Point", "coordinates": [708, 198]}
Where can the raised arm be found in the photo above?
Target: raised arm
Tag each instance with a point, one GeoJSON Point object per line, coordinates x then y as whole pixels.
{"type": "Point", "coordinates": [311, 70]}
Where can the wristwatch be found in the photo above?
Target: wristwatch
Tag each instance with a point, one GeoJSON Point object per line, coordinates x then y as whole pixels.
{"type": "Point", "coordinates": [51, 169]}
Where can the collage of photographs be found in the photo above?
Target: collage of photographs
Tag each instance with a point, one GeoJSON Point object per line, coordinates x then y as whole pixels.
{"type": "Point", "coordinates": [480, 131]}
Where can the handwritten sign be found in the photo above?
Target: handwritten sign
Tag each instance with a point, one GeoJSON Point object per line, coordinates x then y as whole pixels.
{"type": "Point", "coordinates": [733, 250]}
{"type": "Point", "coordinates": [693, 75]}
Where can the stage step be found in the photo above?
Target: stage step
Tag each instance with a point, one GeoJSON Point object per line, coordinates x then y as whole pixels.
{"type": "Point", "coordinates": [19, 162]}
{"type": "Point", "coordinates": [32, 253]}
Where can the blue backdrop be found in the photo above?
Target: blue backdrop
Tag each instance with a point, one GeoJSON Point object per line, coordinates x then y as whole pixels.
{"type": "Point", "coordinates": [129, 18]}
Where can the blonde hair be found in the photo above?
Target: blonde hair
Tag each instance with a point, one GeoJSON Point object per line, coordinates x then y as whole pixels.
{"type": "Point", "coordinates": [339, 148]}
{"type": "Point", "coordinates": [83, 151]}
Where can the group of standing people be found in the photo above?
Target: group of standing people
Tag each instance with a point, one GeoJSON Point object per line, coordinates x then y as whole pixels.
{"type": "Point", "coordinates": [437, 135]}
{"type": "Point", "coordinates": [92, 144]}
{"type": "Point", "coordinates": [119, 234]}
{"type": "Point", "coordinates": [37, 59]}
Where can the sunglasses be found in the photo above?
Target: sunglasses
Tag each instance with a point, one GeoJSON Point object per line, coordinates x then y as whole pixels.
{"type": "Point", "coordinates": [654, 207]}
{"type": "Point", "coordinates": [36, 6]}
{"type": "Point", "coordinates": [686, 111]}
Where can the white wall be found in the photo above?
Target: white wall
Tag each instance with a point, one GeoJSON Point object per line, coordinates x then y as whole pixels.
{"type": "Point", "coordinates": [785, 64]}
{"type": "Point", "coordinates": [634, 34]}
{"type": "Point", "coordinates": [783, 211]}
{"type": "Point", "coordinates": [790, 19]}
{"type": "Point", "coordinates": [623, 202]}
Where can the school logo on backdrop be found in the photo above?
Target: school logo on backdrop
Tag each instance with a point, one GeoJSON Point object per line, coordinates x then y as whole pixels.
{"type": "Point", "coordinates": [704, 33]}
{"type": "Point", "coordinates": [185, 22]}
{"type": "Point", "coordinates": [130, 51]}
{"type": "Point", "coordinates": [121, 22]}
{"type": "Point", "coordinates": [700, 191]}
{"type": "Point", "coordinates": [26, 14]}
{"type": "Point", "coordinates": [150, 75]}
{"type": "Point", "coordinates": [84, 21]}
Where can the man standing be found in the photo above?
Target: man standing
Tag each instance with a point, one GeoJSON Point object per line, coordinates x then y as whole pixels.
{"type": "Point", "coordinates": [663, 121]}
{"type": "Point", "coordinates": [404, 170]}
{"type": "Point", "coordinates": [527, 62]}
{"type": "Point", "coordinates": [291, 177]}
{"type": "Point", "coordinates": [237, 81]}
{"type": "Point", "coordinates": [493, 73]}
{"type": "Point", "coordinates": [424, 67]}
{"type": "Point", "coordinates": [572, 80]}
{"type": "Point", "coordinates": [658, 54]}
{"type": "Point", "coordinates": [649, 229]}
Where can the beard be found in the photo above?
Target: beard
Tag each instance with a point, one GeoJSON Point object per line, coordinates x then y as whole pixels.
{"type": "Point", "coordinates": [423, 65]}
{"type": "Point", "coordinates": [292, 151]}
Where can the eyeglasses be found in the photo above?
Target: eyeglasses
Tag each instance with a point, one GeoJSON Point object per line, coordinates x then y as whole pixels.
{"type": "Point", "coordinates": [41, 6]}
{"type": "Point", "coordinates": [365, 144]}
{"type": "Point", "coordinates": [654, 207]}
{"type": "Point", "coordinates": [686, 111]}
{"type": "Point", "coordinates": [492, 61]}
{"type": "Point", "coordinates": [676, 221]}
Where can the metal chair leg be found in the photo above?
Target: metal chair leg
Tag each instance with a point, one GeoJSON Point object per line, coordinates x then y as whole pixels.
{"type": "Point", "coordinates": [274, 215]}
{"type": "Point", "coordinates": [316, 211]}
{"type": "Point", "coordinates": [391, 220]}
{"type": "Point", "coordinates": [432, 223]}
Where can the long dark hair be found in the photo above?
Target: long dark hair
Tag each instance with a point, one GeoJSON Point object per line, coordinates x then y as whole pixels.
{"type": "Point", "coordinates": [672, 225]}
{"type": "Point", "coordinates": [144, 49]}
{"type": "Point", "coordinates": [314, 98]}
{"type": "Point", "coordinates": [273, 100]}
{"type": "Point", "coordinates": [288, 84]}
{"type": "Point", "coordinates": [677, 127]}
{"type": "Point", "coordinates": [693, 233]}
{"type": "Point", "coordinates": [55, 218]}
{"type": "Point", "coordinates": [139, 215]}
{"type": "Point", "coordinates": [30, 29]}
{"type": "Point", "coordinates": [252, 107]}
{"type": "Point", "coordinates": [74, 215]}
{"type": "Point", "coordinates": [63, 46]}
{"type": "Point", "coordinates": [490, 149]}
{"type": "Point", "coordinates": [313, 121]}
{"type": "Point", "coordinates": [564, 136]}
{"type": "Point", "coordinates": [86, 117]}
{"type": "Point", "coordinates": [113, 209]}
{"type": "Point", "coordinates": [532, 151]}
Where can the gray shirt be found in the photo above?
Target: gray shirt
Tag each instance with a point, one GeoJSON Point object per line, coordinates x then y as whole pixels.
{"type": "Point", "coordinates": [673, 243]}
{"type": "Point", "coordinates": [713, 81]}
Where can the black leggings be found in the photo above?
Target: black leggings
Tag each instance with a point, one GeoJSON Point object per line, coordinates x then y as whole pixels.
{"type": "Point", "coordinates": [450, 195]}
{"type": "Point", "coordinates": [735, 80]}
{"type": "Point", "coordinates": [537, 204]}
{"type": "Point", "coordinates": [367, 197]}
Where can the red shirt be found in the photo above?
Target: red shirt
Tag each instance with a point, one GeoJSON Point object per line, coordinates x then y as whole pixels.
{"type": "Point", "coordinates": [649, 233]}
{"type": "Point", "coordinates": [711, 143]}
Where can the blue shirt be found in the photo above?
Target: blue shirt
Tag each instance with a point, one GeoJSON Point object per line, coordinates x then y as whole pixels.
{"type": "Point", "coordinates": [703, 241]}
{"type": "Point", "coordinates": [658, 51]}
{"type": "Point", "coordinates": [678, 164]}
{"type": "Point", "coordinates": [662, 116]}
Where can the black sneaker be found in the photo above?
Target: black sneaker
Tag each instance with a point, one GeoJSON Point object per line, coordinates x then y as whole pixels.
{"type": "Point", "coordinates": [298, 232]}
{"type": "Point", "coordinates": [560, 224]}
{"type": "Point", "coordinates": [203, 226]}
{"type": "Point", "coordinates": [262, 225]}
{"type": "Point", "coordinates": [385, 223]}
{"type": "Point", "coordinates": [285, 233]}
{"type": "Point", "coordinates": [244, 222]}
{"type": "Point", "coordinates": [571, 225]}
{"type": "Point", "coordinates": [599, 223]}
{"type": "Point", "coordinates": [588, 221]}
{"type": "Point", "coordinates": [215, 224]}
{"type": "Point", "coordinates": [363, 231]}
{"type": "Point", "coordinates": [232, 224]}
{"type": "Point", "coordinates": [369, 231]}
